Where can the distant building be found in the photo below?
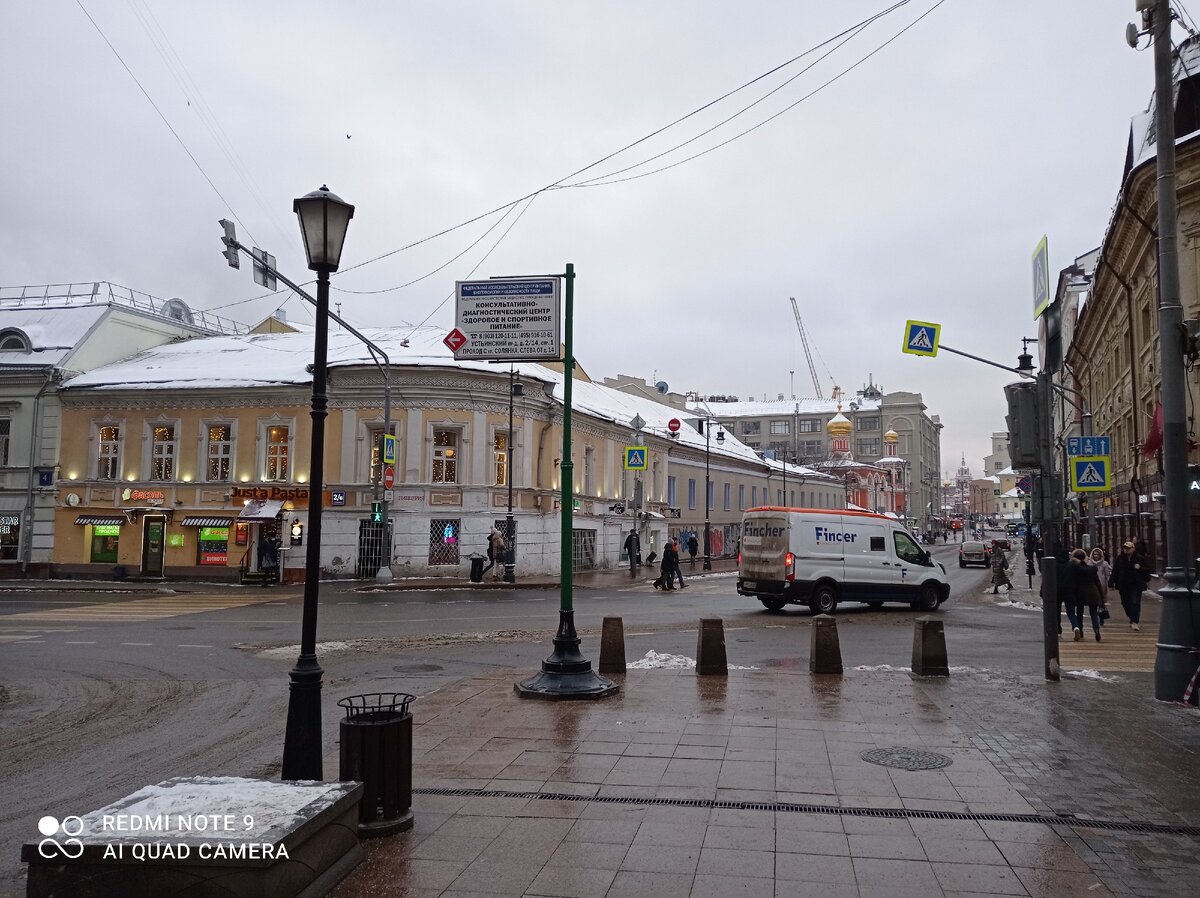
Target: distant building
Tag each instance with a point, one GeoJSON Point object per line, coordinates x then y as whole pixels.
{"type": "Point", "coordinates": [49, 334]}
{"type": "Point", "coordinates": [999, 459]}
{"type": "Point", "coordinates": [796, 430]}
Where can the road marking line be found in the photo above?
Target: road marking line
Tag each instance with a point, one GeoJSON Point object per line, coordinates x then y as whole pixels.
{"type": "Point", "coordinates": [185, 645]}
{"type": "Point", "coordinates": [137, 643]}
{"type": "Point", "coordinates": [82, 642]}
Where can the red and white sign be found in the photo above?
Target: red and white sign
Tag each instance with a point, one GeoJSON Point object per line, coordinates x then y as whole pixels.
{"type": "Point", "coordinates": [456, 340]}
{"type": "Point", "coordinates": [673, 425]}
{"type": "Point", "coordinates": [389, 477]}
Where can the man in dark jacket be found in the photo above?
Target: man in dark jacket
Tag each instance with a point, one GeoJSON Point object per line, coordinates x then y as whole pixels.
{"type": "Point", "coordinates": [668, 566]}
{"type": "Point", "coordinates": [693, 547]}
{"type": "Point", "coordinates": [1130, 575]}
{"type": "Point", "coordinates": [633, 547]}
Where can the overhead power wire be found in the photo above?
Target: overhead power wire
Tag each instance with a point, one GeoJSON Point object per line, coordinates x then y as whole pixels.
{"type": "Point", "coordinates": [640, 140]}
{"type": "Point", "coordinates": [785, 109]}
{"type": "Point", "coordinates": [165, 121]}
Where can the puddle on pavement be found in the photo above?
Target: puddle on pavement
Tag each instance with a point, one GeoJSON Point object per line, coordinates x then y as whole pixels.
{"type": "Point", "coordinates": [417, 668]}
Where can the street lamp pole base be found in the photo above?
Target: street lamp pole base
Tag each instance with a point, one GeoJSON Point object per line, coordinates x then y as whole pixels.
{"type": "Point", "coordinates": [510, 573]}
{"type": "Point", "coordinates": [302, 740]}
{"type": "Point", "coordinates": [384, 575]}
{"type": "Point", "coordinates": [566, 675]}
{"type": "Point", "coordinates": [1176, 662]}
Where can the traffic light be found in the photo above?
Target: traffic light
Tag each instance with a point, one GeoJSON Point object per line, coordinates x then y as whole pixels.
{"type": "Point", "coordinates": [1024, 425]}
{"type": "Point", "coordinates": [376, 512]}
{"type": "Point", "coordinates": [230, 252]}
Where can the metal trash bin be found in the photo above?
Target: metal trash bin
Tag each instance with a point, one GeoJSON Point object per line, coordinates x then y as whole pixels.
{"type": "Point", "coordinates": [476, 567]}
{"type": "Point", "coordinates": [376, 750]}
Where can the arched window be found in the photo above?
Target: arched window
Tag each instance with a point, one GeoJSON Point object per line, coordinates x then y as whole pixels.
{"type": "Point", "coordinates": [13, 340]}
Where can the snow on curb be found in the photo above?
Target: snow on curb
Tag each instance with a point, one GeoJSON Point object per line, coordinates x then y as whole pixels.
{"type": "Point", "coordinates": [664, 661]}
{"type": "Point", "coordinates": [1090, 674]}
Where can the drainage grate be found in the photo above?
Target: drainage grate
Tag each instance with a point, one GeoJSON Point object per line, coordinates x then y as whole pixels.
{"type": "Point", "coordinates": [789, 808]}
{"type": "Point", "coordinates": [906, 758]}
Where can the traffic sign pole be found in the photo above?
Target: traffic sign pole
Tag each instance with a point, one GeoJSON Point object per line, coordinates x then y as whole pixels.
{"type": "Point", "coordinates": [566, 674]}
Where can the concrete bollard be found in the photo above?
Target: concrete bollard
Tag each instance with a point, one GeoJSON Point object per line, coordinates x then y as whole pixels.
{"type": "Point", "coordinates": [612, 646]}
{"type": "Point", "coordinates": [710, 647]}
{"type": "Point", "coordinates": [929, 648]}
{"type": "Point", "coordinates": [825, 655]}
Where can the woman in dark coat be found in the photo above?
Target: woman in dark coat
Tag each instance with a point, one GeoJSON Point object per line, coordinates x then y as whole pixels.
{"type": "Point", "coordinates": [1088, 591]}
{"type": "Point", "coordinates": [666, 570]}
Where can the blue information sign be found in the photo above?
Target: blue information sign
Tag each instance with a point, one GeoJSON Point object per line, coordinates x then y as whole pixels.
{"type": "Point", "coordinates": [1089, 446]}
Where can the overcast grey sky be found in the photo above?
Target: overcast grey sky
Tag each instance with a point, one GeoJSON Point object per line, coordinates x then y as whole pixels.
{"type": "Point", "coordinates": [915, 186]}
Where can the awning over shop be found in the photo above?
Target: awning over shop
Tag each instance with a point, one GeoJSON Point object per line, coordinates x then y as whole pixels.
{"type": "Point", "coordinates": [101, 519]}
{"type": "Point", "coordinates": [200, 521]}
{"type": "Point", "coordinates": [261, 510]}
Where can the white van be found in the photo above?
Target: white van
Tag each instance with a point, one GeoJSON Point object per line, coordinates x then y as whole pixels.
{"type": "Point", "coordinates": [819, 558]}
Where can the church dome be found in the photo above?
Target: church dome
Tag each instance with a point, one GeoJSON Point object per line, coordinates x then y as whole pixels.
{"type": "Point", "coordinates": [839, 425]}
{"type": "Point", "coordinates": [891, 436]}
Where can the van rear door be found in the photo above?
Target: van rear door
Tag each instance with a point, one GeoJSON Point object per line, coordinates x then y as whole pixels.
{"type": "Point", "coordinates": [765, 545]}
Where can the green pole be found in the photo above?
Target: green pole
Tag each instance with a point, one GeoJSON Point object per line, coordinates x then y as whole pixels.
{"type": "Point", "coordinates": [566, 674]}
{"type": "Point", "coordinates": [567, 467]}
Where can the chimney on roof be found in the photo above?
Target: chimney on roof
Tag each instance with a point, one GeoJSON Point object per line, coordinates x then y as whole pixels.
{"type": "Point", "coordinates": [280, 315]}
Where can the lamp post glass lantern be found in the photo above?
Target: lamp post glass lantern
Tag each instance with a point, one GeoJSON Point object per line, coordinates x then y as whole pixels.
{"type": "Point", "coordinates": [324, 218]}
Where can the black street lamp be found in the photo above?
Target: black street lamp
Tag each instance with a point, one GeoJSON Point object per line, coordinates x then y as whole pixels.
{"type": "Point", "coordinates": [515, 389]}
{"type": "Point", "coordinates": [324, 218]}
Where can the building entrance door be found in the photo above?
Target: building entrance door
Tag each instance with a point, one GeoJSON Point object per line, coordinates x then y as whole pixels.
{"type": "Point", "coordinates": [154, 529]}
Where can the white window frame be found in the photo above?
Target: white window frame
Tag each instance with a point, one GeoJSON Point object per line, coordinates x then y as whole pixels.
{"type": "Point", "coordinates": [5, 436]}
{"type": "Point", "coordinates": [116, 456]}
{"type": "Point", "coordinates": [437, 453]}
{"type": "Point", "coordinates": [589, 470]}
{"type": "Point", "coordinates": [265, 455]}
{"type": "Point", "coordinates": [169, 453]}
{"type": "Point", "coordinates": [206, 445]}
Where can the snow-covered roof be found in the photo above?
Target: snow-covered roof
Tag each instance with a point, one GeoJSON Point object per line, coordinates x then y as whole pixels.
{"type": "Point", "coordinates": [890, 460]}
{"type": "Point", "coordinates": [1007, 472]}
{"type": "Point", "coordinates": [798, 470]}
{"type": "Point", "coordinates": [1142, 134]}
{"type": "Point", "coordinates": [52, 331]}
{"type": "Point", "coordinates": [782, 407]}
{"type": "Point", "coordinates": [281, 359]}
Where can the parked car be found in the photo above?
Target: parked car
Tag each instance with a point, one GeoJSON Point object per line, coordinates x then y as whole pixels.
{"type": "Point", "coordinates": [974, 553]}
{"type": "Point", "coordinates": [1002, 543]}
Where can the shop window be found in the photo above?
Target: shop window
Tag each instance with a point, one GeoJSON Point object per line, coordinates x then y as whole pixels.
{"type": "Point", "coordinates": [278, 450]}
{"type": "Point", "coordinates": [108, 460]}
{"type": "Point", "coordinates": [105, 539]}
{"type": "Point", "coordinates": [220, 452]}
{"type": "Point", "coordinates": [10, 536]}
{"type": "Point", "coordinates": [162, 452]}
{"type": "Point", "coordinates": [212, 546]}
{"type": "Point", "coordinates": [445, 456]}
{"type": "Point", "coordinates": [444, 534]}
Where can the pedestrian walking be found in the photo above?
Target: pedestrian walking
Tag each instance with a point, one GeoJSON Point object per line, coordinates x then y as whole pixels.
{"type": "Point", "coordinates": [666, 569]}
{"type": "Point", "coordinates": [495, 553]}
{"type": "Point", "coordinates": [1089, 593]}
{"type": "Point", "coordinates": [1130, 575]}
{"type": "Point", "coordinates": [999, 564]}
{"type": "Point", "coordinates": [1104, 573]}
{"type": "Point", "coordinates": [693, 547]}
{"type": "Point", "coordinates": [678, 571]}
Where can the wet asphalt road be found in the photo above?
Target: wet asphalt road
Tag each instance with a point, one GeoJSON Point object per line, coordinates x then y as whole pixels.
{"type": "Point", "coordinates": [96, 700]}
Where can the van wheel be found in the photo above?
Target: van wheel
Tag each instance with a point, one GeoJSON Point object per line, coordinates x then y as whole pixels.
{"type": "Point", "coordinates": [927, 599]}
{"type": "Point", "coordinates": [773, 604]}
{"type": "Point", "coordinates": [824, 600]}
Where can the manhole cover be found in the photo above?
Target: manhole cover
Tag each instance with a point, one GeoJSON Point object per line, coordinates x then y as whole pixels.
{"type": "Point", "coordinates": [906, 758]}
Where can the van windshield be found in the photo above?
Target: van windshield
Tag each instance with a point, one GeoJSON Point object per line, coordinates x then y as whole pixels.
{"type": "Point", "coordinates": [907, 550]}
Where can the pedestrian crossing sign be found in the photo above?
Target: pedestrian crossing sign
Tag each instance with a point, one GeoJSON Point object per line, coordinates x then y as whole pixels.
{"type": "Point", "coordinates": [921, 338]}
{"type": "Point", "coordinates": [636, 458]}
{"type": "Point", "coordinates": [1091, 473]}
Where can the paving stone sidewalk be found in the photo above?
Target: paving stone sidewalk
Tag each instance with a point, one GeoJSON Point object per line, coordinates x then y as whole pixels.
{"type": "Point", "coordinates": [755, 785]}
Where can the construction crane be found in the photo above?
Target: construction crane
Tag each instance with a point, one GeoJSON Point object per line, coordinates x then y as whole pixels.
{"type": "Point", "coordinates": [812, 369]}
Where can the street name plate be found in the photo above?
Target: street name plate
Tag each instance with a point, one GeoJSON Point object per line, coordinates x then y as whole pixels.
{"type": "Point", "coordinates": [512, 319]}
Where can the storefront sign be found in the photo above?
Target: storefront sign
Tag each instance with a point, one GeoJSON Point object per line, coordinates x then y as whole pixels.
{"type": "Point", "coordinates": [175, 540]}
{"type": "Point", "coordinates": [278, 493]}
{"type": "Point", "coordinates": [132, 495]}
{"type": "Point", "coordinates": [106, 530]}
{"type": "Point", "coordinates": [241, 533]}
